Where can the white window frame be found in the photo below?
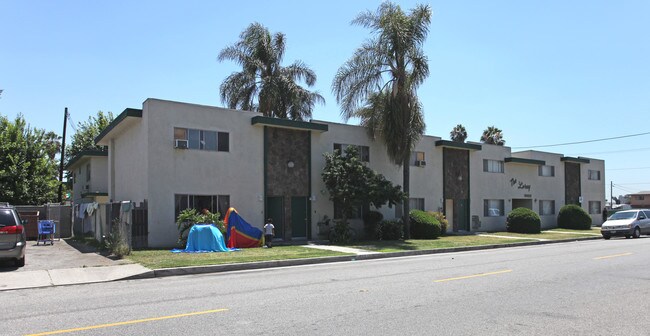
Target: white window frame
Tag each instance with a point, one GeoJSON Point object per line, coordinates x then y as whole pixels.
{"type": "Point", "coordinates": [547, 211]}
{"type": "Point", "coordinates": [364, 151]}
{"type": "Point", "coordinates": [219, 146]}
{"type": "Point", "coordinates": [594, 207]}
{"type": "Point", "coordinates": [493, 166]}
{"type": "Point", "coordinates": [489, 204]}
{"type": "Point", "coordinates": [594, 175]}
{"type": "Point", "coordinates": [546, 171]}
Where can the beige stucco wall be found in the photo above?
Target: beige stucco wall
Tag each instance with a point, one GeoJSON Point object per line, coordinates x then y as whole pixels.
{"type": "Point", "coordinates": [593, 190]}
{"type": "Point", "coordinates": [238, 173]}
{"type": "Point", "coordinates": [426, 182]}
{"type": "Point", "coordinates": [548, 188]}
{"type": "Point", "coordinates": [484, 185]}
{"type": "Point", "coordinates": [98, 177]}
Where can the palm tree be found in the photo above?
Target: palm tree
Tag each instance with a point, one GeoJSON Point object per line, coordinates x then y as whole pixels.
{"type": "Point", "coordinates": [379, 83]}
{"type": "Point", "coordinates": [493, 136]}
{"type": "Point", "coordinates": [458, 133]}
{"type": "Point", "coordinates": [264, 85]}
{"type": "Point", "coordinates": [52, 144]}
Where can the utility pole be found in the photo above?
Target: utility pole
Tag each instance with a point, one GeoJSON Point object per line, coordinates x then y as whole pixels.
{"type": "Point", "coordinates": [611, 194]}
{"type": "Point", "coordinates": [65, 122]}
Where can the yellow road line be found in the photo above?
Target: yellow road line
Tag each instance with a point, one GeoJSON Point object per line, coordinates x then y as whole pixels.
{"type": "Point", "coordinates": [474, 276]}
{"type": "Point", "coordinates": [613, 256]}
{"type": "Point", "coordinates": [108, 325]}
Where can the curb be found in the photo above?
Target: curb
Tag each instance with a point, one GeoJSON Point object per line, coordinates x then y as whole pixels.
{"type": "Point", "coordinates": [166, 272]}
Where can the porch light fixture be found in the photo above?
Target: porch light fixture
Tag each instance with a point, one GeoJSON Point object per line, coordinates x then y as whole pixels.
{"type": "Point", "coordinates": [290, 164]}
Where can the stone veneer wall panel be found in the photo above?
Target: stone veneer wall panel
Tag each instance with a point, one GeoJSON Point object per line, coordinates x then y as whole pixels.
{"type": "Point", "coordinates": [571, 183]}
{"type": "Point", "coordinates": [284, 145]}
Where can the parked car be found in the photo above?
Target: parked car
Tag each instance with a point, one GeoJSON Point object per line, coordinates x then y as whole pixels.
{"type": "Point", "coordinates": [12, 235]}
{"type": "Point", "coordinates": [628, 223]}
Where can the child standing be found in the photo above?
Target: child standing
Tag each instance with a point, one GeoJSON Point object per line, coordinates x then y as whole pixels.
{"type": "Point", "coordinates": [269, 232]}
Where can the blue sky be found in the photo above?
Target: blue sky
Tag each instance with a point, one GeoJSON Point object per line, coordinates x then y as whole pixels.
{"type": "Point", "coordinates": [545, 72]}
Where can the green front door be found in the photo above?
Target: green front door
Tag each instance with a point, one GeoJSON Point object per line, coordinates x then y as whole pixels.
{"type": "Point", "coordinates": [299, 217]}
{"type": "Point", "coordinates": [462, 214]}
{"type": "Point", "coordinates": [275, 211]}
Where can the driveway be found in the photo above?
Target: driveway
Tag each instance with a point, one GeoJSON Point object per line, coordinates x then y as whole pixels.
{"type": "Point", "coordinates": [63, 254]}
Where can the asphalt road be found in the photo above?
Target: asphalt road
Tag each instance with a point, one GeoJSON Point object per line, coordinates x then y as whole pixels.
{"type": "Point", "coordinates": [580, 288]}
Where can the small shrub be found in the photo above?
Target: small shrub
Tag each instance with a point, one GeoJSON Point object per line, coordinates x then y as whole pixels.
{"type": "Point", "coordinates": [370, 221]}
{"type": "Point", "coordinates": [390, 230]}
{"type": "Point", "coordinates": [573, 216]}
{"type": "Point", "coordinates": [188, 217]}
{"type": "Point", "coordinates": [523, 220]}
{"type": "Point", "coordinates": [341, 233]}
{"type": "Point", "coordinates": [424, 225]}
{"type": "Point", "coordinates": [444, 223]}
{"type": "Point", "coordinates": [116, 241]}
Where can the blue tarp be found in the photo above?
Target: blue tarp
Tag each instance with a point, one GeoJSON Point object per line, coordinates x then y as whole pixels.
{"type": "Point", "coordinates": [204, 238]}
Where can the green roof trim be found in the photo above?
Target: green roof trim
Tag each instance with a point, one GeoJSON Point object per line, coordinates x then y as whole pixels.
{"type": "Point", "coordinates": [94, 194]}
{"type": "Point", "coordinates": [525, 161]}
{"type": "Point", "coordinates": [574, 159]}
{"type": "Point", "coordinates": [286, 123]}
{"type": "Point", "coordinates": [458, 145]}
{"type": "Point", "coordinates": [129, 112]}
{"type": "Point", "coordinates": [81, 154]}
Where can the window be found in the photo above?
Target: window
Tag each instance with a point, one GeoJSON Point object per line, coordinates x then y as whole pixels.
{"type": "Point", "coordinates": [88, 172]}
{"type": "Point", "coordinates": [594, 175]}
{"type": "Point", "coordinates": [214, 203]}
{"type": "Point", "coordinates": [546, 208]}
{"type": "Point", "coordinates": [203, 140]}
{"type": "Point", "coordinates": [357, 212]}
{"type": "Point", "coordinates": [493, 208]}
{"type": "Point", "coordinates": [640, 198]}
{"type": "Point", "coordinates": [594, 207]}
{"type": "Point", "coordinates": [493, 166]}
{"type": "Point", "coordinates": [417, 159]}
{"type": "Point", "coordinates": [547, 171]}
{"type": "Point", "coordinates": [416, 203]}
{"type": "Point", "coordinates": [364, 151]}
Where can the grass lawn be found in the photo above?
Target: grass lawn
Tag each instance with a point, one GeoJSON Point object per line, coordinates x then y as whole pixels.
{"type": "Point", "coordinates": [431, 244]}
{"type": "Point", "coordinates": [559, 235]}
{"type": "Point", "coordinates": [155, 259]}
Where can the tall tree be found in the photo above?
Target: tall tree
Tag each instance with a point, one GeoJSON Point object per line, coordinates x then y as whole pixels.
{"type": "Point", "coordinates": [493, 136]}
{"type": "Point", "coordinates": [86, 132]}
{"type": "Point", "coordinates": [264, 85]}
{"type": "Point", "coordinates": [458, 133]}
{"type": "Point", "coordinates": [379, 83]}
{"type": "Point", "coordinates": [27, 174]}
{"type": "Point", "coordinates": [351, 184]}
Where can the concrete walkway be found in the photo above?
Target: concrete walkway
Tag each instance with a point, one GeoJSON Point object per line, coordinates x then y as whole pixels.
{"type": "Point", "coordinates": [340, 249]}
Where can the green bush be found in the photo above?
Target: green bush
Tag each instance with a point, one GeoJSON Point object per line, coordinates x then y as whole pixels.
{"type": "Point", "coordinates": [523, 220]}
{"type": "Point", "coordinates": [390, 230]}
{"type": "Point", "coordinates": [370, 221]}
{"type": "Point", "coordinates": [573, 216]}
{"type": "Point", "coordinates": [424, 225]}
{"type": "Point", "coordinates": [442, 220]}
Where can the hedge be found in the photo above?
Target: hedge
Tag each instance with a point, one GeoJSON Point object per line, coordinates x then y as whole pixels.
{"type": "Point", "coordinates": [573, 216]}
{"type": "Point", "coordinates": [523, 220]}
{"type": "Point", "coordinates": [424, 225]}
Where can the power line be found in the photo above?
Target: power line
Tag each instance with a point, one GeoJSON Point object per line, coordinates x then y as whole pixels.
{"type": "Point", "coordinates": [629, 168]}
{"type": "Point", "coordinates": [615, 151]}
{"type": "Point", "coordinates": [586, 141]}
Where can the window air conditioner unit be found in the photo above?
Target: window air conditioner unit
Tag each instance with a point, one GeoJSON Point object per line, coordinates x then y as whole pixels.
{"type": "Point", "coordinates": [420, 163]}
{"type": "Point", "coordinates": [180, 143]}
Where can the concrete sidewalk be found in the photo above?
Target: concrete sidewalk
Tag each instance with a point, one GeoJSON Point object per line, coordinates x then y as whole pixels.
{"type": "Point", "coordinates": [13, 279]}
{"type": "Point", "coordinates": [71, 276]}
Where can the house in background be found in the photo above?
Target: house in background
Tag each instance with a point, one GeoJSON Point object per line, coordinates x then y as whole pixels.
{"type": "Point", "coordinates": [89, 174]}
{"type": "Point", "coordinates": [640, 199]}
{"type": "Point", "coordinates": [173, 156]}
